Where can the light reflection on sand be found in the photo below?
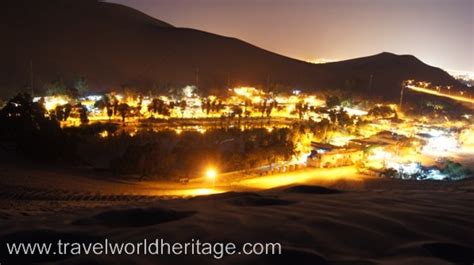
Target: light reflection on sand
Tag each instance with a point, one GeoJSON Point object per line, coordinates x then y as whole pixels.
{"type": "Point", "coordinates": [302, 176]}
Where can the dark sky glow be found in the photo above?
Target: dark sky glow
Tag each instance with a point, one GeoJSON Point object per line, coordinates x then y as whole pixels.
{"type": "Point", "coordinates": [439, 32]}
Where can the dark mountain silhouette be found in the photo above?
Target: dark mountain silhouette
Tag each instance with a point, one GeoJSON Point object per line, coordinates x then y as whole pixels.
{"type": "Point", "coordinates": [113, 47]}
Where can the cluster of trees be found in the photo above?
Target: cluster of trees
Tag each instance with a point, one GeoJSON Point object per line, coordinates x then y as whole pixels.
{"type": "Point", "coordinates": [341, 117]}
{"type": "Point", "coordinates": [61, 113]}
{"type": "Point", "coordinates": [116, 108]}
{"type": "Point", "coordinates": [113, 107]}
{"type": "Point", "coordinates": [37, 133]}
{"type": "Point", "coordinates": [25, 126]}
{"type": "Point", "coordinates": [332, 101]}
{"type": "Point", "coordinates": [333, 108]}
{"type": "Point", "coordinates": [383, 112]}
{"type": "Point", "coordinates": [438, 109]}
{"type": "Point", "coordinates": [265, 108]}
{"type": "Point", "coordinates": [78, 87]}
{"type": "Point", "coordinates": [158, 106]}
{"type": "Point", "coordinates": [455, 171]}
{"type": "Point", "coordinates": [211, 106]}
{"type": "Point", "coordinates": [186, 155]}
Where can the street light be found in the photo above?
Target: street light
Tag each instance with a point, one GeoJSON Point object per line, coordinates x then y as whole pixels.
{"type": "Point", "coordinates": [404, 84]}
{"type": "Point", "coordinates": [211, 174]}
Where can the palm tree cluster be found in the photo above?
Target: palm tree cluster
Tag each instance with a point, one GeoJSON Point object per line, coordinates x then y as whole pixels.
{"type": "Point", "coordinates": [165, 154]}
{"type": "Point", "coordinates": [25, 126]}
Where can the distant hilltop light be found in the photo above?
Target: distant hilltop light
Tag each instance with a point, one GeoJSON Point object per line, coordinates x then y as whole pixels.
{"type": "Point", "coordinates": [465, 75]}
{"type": "Point", "coordinates": [320, 60]}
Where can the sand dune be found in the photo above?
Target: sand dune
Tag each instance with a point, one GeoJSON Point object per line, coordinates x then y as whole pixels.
{"type": "Point", "coordinates": [369, 221]}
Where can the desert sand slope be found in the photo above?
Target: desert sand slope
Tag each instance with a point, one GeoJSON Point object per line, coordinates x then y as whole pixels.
{"type": "Point", "coordinates": [115, 47]}
{"type": "Point", "coordinates": [373, 221]}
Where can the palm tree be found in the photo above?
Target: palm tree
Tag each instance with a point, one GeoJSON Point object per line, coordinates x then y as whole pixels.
{"type": "Point", "coordinates": [67, 111]}
{"type": "Point", "coordinates": [236, 110]}
{"type": "Point", "coordinates": [83, 114]}
{"type": "Point", "coordinates": [182, 106]}
{"type": "Point", "coordinates": [124, 111]}
{"type": "Point", "coordinates": [59, 111]}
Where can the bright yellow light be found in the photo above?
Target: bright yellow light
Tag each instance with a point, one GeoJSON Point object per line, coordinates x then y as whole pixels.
{"type": "Point", "coordinates": [104, 134]}
{"type": "Point", "coordinates": [340, 139]}
{"type": "Point", "coordinates": [201, 130]}
{"type": "Point", "coordinates": [197, 192]}
{"type": "Point", "coordinates": [466, 137]}
{"type": "Point", "coordinates": [50, 103]}
{"type": "Point", "coordinates": [211, 173]}
{"type": "Point", "coordinates": [246, 91]}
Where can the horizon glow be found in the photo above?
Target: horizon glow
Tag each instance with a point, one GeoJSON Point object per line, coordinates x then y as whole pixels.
{"type": "Point", "coordinates": [439, 32]}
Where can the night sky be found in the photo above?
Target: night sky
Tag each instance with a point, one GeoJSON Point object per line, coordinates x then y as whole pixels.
{"type": "Point", "coordinates": [439, 32]}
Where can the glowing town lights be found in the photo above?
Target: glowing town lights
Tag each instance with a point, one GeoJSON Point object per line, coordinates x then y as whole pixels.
{"type": "Point", "coordinates": [378, 158]}
{"type": "Point", "coordinates": [408, 169]}
{"type": "Point", "coordinates": [189, 91]}
{"type": "Point", "coordinates": [435, 174]}
{"type": "Point", "coordinates": [301, 159]}
{"type": "Point", "coordinates": [441, 145]}
{"type": "Point", "coordinates": [340, 140]}
{"type": "Point", "coordinates": [355, 112]}
{"type": "Point", "coordinates": [296, 92]}
{"type": "Point", "coordinates": [302, 147]}
{"type": "Point", "coordinates": [373, 144]}
{"type": "Point", "coordinates": [133, 133]}
{"type": "Point", "coordinates": [185, 103]}
{"type": "Point", "coordinates": [51, 102]}
{"type": "Point", "coordinates": [246, 91]}
{"type": "Point", "coordinates": [313, 101]}
{"type": "Point", "coordinates": [94, 98]}
{"type": "Point", "coordinates": [466, 137]}
{"type": "Point", "coordinates": [380, 154]}
{"type": "Point", "coordinates": [256, 99]}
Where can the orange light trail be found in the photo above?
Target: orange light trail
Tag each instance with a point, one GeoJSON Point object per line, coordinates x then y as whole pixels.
{"type": "Point", "coordinates": [436, 93]}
